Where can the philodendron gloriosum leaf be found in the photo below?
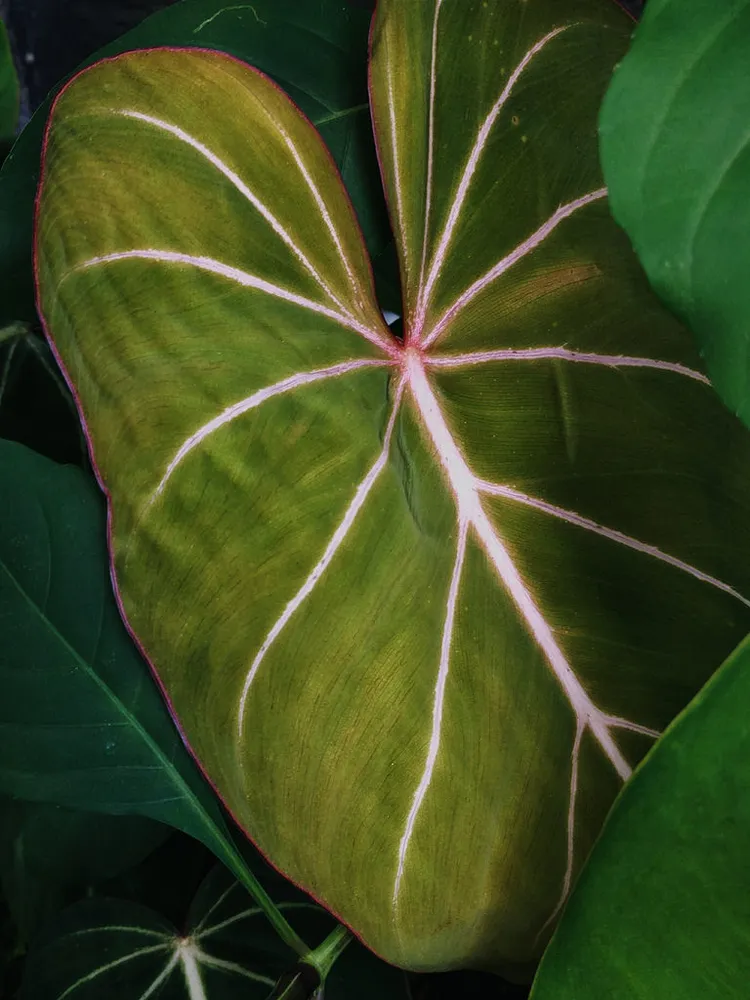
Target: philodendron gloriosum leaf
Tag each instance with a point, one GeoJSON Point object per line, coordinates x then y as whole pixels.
{"type": "Point", "coordinates": [420, 606]}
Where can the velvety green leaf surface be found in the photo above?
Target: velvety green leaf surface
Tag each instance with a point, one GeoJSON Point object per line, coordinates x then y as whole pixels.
{"type": "Point", "coordinates": [47, 851]}
{"type": "Point", "coordinates": [226, 951]}
{"type": "Point", "coordinates": [315, 50]}
{"type": "Point", "coordinates": [8, 90]}
{"type": "Point", "coordinates": [419, 605]}
{"type": "Point", "coordinates": [663, 907]}
{"type": "Point", "coordinates": [676, 155]}
{"type": "Point", "coordinates": [81, 723]}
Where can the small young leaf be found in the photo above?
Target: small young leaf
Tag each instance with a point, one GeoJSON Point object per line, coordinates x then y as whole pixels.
{"type": "Point", "coordinates": [676, 158]}
{"type": "Point", "coordinates": [662, 908]}
{"type": "Point", "coordinates": [226, 951]}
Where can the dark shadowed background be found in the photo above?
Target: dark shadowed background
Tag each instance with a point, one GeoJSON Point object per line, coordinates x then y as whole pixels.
{"type": "Point", "coordinates": [52, 36]}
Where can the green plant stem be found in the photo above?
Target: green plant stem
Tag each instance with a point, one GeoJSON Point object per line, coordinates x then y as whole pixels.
{"type": "Point", "coordinates": [323, 957]}
{"type": "Point", "coordinates": [236, 864]}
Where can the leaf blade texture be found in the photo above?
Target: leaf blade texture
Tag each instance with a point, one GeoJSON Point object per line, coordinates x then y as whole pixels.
{"type": "Point", "coordinates": [436, 578]}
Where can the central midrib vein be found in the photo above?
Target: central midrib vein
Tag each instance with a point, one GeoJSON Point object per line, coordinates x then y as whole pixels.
{"type": "Point", "coordinates": [463, 485]}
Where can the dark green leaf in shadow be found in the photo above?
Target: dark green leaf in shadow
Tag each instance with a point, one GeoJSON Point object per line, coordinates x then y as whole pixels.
{"type": "Point", "coordinates": [36, 406]}
{"type": "Point", "coordinates": [662, 909]}
{"type": "Point", "coordinates": [82, 723]}
{"type": "Point", "coordinates": [357, 973]}
{"type": "Point", "coordinates": [49, 855]}
{"type": "Point", "coordinates": [226, 951]}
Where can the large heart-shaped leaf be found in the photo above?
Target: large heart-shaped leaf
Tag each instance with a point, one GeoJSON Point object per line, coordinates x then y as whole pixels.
{"type": "Point", "coordinates": [663, 906]}
{"type": "Point", "coordinates": [676, 157]}
{"type": "Point", "coordinates": [316, 51]}
{"type": "Point", "coordinates": [419, 605]}
{"type": "Point", "coordinates": [226, 951]}
{"type": "Point", "coordinates": [81, 724]}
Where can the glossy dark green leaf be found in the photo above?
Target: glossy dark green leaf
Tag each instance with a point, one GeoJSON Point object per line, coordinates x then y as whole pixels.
{"type": "Point", "coordinates": [316, 50]}
{"type": "Point", "coordinates": [415, 601]}
{"type": "Point", "coordinates": [662, 909]}
{"type": "Point", "coordinates": [82, 723]}
{"type": "Point", "coordinates": [226, 951]}
{"type": "Point", "coordinates": [49, 853]}
{"type": "Point", "coordinates": [675, 150]}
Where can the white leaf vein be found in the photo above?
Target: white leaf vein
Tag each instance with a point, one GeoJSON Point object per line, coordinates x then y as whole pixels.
{"type": "Point", "coordinates": [188, 954]}
{"type": "Point", "coordinates": [231, 413]}
{"type": "Point", "coordinates": [115, 963]}
{"type": "Point", "coordinates": [430, 157]}
{"type": "Point", "coordinates": [325, 215]}
{"type": "Point", "coordinates": [468, 490]}
{"type": "Point", "coordinates": [357, 503]}
{"type": "Point", "coordinates": [161, 978]}
{"type": "Point", "coordinates": [244, 190]}
{"type": "Point", "coordinates": [509, 493]}
{"type": "Point", "coordinates": [469, 169]}
{"type": "Point", "coordinates": [211, 962]}
{"type": "Point", "coordinates": [241, 277]}
{"type": "Point", "coordinates": [562, 354]}
{"type": "Point", "coordinates": [437, 709]}
{"type": "Point", "coordinates": [467, 495]}
{"type": "Point", "coordinates": [570, 831]}
{"type": "Point", "coordinates": [523, 248]}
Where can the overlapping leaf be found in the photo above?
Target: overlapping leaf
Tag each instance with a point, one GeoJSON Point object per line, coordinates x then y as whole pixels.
{"type": "Point", "coordinates": [663, 906]}
{"type": "Point", "coordinates": [81, 723]}
{"type": "Point", "coordinates": [420, 605]}
{"type": "Point", "coordinates": [676, 157]}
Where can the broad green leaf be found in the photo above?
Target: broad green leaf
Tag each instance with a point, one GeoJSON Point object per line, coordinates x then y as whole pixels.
{"type": "Point", "coordinates": [226, 951]}
{"type": "Point", "coordinates": [676, 158]}
{"type": "Point", "coordinates": [81, 723]}
{"type": "Point", "coordinates": [47, 852]}
{"type": "Point", "coordinates": [662, 908]}
{"type": "Point", "coordinates": [316, 51]}
{"type": "Point", "coordinates": [9, 93]}
{"type": "Point", "coordinates": [420, 605]}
